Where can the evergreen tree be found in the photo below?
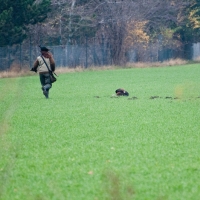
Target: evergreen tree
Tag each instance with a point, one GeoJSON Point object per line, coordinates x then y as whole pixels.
{"type": "Point", "coordinates": [16, 15]}
{"type": "Point", "coordinates": [188, 30]}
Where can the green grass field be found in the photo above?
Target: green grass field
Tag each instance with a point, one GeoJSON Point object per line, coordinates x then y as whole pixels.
{"type": "Point", "coordinates": [76, 146]}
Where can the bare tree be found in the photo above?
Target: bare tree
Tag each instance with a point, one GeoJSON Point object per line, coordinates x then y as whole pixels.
{"type": "Point", "coordinates": [110, 20]}
{"type": "Point", "coordinates": [113, 18]}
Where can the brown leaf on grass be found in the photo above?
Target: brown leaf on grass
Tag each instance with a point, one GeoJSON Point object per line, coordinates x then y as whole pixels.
{"type": "Point", "coordinates": [90, 172]}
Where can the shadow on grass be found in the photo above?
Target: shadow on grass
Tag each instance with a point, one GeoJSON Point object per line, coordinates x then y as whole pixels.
{"type": "Point", "coordinates": [116, 188]}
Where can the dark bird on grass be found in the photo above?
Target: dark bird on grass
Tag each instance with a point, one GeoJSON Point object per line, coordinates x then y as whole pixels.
{"type": "Point", "coordinates": [121, 92]}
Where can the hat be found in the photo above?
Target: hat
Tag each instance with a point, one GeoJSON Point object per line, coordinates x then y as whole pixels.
{"type": "Point", "coordinates": [44, 49]}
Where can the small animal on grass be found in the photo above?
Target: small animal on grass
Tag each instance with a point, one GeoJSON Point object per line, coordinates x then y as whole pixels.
{"type": "Point", "coordinates": [121, 92]}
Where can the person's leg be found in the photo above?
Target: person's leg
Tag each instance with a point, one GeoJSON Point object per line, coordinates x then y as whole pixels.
{"type": "Point", "coordinates": [42, 79]}
{"type": "Point", "coordinates": [46, 84]}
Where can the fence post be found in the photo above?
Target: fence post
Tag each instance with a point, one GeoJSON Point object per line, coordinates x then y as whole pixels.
{"type": "Point", "coordinates": [20, 55]}
{"type": "Point", "coordinates": [103, 49]}
{"type": "Point", "coordinates": [9, 57]}
{"type": "Point", "coordinates": [30, 53]}
{"type": "Point", "coordinates": [160, 48]}
{"type": "Point", "coordinates": [86, 52]}
{"type": "Point", "coordinates": [68, 52]}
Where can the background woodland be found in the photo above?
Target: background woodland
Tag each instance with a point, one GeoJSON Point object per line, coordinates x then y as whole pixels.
{"type": "Point", "coordinates": [121, 25]}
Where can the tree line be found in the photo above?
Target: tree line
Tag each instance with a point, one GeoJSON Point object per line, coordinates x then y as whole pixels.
{"type": "Point", "coordinates": [120, 24]}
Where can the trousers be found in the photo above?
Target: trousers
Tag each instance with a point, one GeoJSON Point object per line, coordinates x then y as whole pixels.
{"type": "Point", "coordinates": [45, 81]}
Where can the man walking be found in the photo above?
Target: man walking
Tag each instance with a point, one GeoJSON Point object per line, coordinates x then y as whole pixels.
{"type": "Point", "coordinates": [46, 58]}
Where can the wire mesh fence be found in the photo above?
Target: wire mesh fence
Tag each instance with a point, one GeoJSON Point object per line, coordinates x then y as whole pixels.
{"type": "Point", "coordinates": [89, 54]}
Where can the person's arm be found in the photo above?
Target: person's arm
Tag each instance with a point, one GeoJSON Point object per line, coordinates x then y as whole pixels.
{"type": "Point", "coordinates": [35, 66]}
{"type": "Point", "coordinates": [52, 62]}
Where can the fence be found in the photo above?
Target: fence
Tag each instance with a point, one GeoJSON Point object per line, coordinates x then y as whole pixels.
{"type": "Point", "coordinates": [65, 56]}
{"type": "Point", "coordinates": [89, 54]}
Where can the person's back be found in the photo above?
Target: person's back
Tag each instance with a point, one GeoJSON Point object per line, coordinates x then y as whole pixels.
{"type": "Point", "coordinates": [40, 66]}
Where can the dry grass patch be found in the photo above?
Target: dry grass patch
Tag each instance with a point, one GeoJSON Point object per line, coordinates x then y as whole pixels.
{"type": "Point", "coordinates": [13, 73]}
{"type": "Point", "coordinates": [197, 59]}
{"type": "Point", "coordinates": [60, 70]}
{"type": "Point", "coordinates": [81, 69]}
{"type": "Point", "coordinates": [16, 72]}
{"type": "Point", "coordinates": [171, 62]}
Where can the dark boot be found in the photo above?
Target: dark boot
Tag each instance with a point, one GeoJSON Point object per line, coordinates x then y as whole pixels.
{"type": "Point", "coordinates": [45, 92]}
